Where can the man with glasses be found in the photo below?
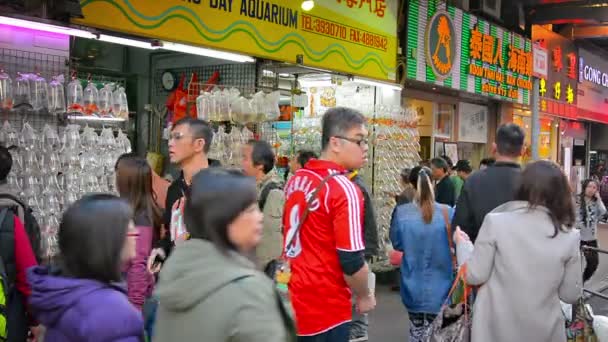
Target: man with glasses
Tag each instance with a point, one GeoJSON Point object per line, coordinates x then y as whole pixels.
{"type": "Point", "coordinates": [189, 143]}
{"type": "Point", "coordinates": [327, 251]}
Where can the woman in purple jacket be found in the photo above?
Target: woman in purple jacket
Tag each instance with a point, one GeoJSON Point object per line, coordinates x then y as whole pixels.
{"type": "Point", "coordinates": [134, 184]}
{"type": "Point", "coordinates": [81, 300]}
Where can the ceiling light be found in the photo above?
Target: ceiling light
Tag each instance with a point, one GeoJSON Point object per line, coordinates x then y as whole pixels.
{"type": "Point", "coordinates": [307, 5]}
{"type": "Point", "coordinates": [127, 42]}
{"type": "Point", "coordinates": [34, 25]}
{"type": "Point", "coordinates": [393, 86]}
{"type": "Point", "coordinates": [316, 84]}
{"type": "Point", "coordinates": [195, 50]}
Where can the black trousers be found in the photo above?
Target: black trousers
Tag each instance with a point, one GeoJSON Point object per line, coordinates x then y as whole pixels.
{"type": "Point", "coordinates": [592, 260]}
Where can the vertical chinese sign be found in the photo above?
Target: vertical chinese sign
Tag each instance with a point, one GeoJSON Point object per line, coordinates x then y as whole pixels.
{"type": "Point", "coordinates": [451, 48]}
{"type": "Point", "coordinates": [558, 91]}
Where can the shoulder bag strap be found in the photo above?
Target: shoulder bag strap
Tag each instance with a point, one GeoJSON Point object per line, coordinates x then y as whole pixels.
{"type": "Point", "coordinates": [448, 230]}
{"type": "Point", "coordinates": [307, 208]}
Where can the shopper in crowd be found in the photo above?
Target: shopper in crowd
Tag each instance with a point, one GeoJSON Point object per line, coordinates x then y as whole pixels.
{"type": "Point", "coordinates": [589, 209]}
{"type": "Point", "coordinates": [300, 160]}
{"type": "Point", "coordinates": [486, 162]}
{"type": "Point", "coordinates": [189, 143]}
{"type": "Point", "coordinates": [258, 162]}
{"type": "Point", "coordinates": [82, 299]}
{"type": "Point", "coordinates": [327, 252]}
{"type": "Point", "coordinates": [360, 323]}
{"type": "Point", "coordinates": [526, 259]}
{"type": "Point", "coordinates": [209, 290]}
{"type": "Point", "coordinates": [409, 191]}
{"type": "Point", "coordinates": [19, 250]}
{"type": "Point", "coordinates": [134, 182]}
{"type": "Point", "coordinates": [458, 181]}
{"type": "Point", "coordinates": [463, 171]}
{"type": "Point", "coordinates": [419, 230]}
{"type": "Point", "coordinates": [445, 191]}
{"type": "Point", "coordinates": [491, 187]}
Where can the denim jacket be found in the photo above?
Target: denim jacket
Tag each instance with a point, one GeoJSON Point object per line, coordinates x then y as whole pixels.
{"type": "Point", "coordinates": [426, 269]}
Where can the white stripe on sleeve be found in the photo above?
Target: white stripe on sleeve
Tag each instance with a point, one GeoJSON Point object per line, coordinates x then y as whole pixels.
{"type": "Point", "coordinates": [354, 212]}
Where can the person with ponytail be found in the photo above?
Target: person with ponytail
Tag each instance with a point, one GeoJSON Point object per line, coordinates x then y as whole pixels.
{"type": "Point", "coordinates": [421, 231]}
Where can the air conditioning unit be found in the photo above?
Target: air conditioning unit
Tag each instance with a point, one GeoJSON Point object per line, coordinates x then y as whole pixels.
{"type": "Point", "coordinates": [488, 7]}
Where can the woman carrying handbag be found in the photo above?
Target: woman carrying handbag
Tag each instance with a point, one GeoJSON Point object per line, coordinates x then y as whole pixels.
{"type": "Point", "coordinates": [421, 231]}
{"type": "Point", "coordinates": [525, 259]}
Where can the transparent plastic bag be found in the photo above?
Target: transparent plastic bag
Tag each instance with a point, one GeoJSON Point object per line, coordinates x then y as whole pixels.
{"type": "Point", "coordinates": [6, 91]}
{"type": "Point", "coordinates": [105, 100]}
{"type": "Point", "coordinates": [91, 99]}
{"type": "Point", "coordinates": [120, 104]}
{"type": "Point", "coordinates": [75, 97]}
{"type": "Point", "coordinates": [56, 96]}
{"type": "Point", "coordinates": [21, 95]}
{"type": "Point", "coordinates": [39, 92]}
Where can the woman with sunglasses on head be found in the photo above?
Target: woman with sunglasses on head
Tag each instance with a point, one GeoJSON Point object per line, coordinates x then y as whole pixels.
{"type": "Point", "coordinates": [81, 299]}
{"type": "Point", "coordinates": [420, 230]}
{"type": "Point", "coordinates": [209, 289]}
{"type": "Point", "coordinates": [526, 259]}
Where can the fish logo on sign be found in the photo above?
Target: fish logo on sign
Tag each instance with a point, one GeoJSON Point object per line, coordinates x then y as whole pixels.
{"type": "Point", "coordinates": [440, 44]}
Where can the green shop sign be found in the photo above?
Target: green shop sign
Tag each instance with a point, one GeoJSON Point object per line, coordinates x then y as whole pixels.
{"type": "Point", "coordinates": [463, 52]}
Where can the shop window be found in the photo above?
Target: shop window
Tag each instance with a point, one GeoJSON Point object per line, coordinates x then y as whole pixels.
{"type": "Point", "coordinates": [444, 121]}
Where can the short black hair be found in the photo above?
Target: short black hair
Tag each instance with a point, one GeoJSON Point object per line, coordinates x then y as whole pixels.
{"type": "Point", "coordinates": [304, 156]}
{"type": "Point", "coordinates": [487, 161]}
{"type": "Point", "coordinates": [92, 236]}
{"type": "Point", "coordinates": [200, 130]}
{"type": "Point", "coordinates": [448, 160]}
{"type": "Point", "coordinates": [405, 175]}
{"type": "Point", "coordinates": [262, 154]}
{"type": "Point", "coordinates": [463, 166]}
{"type": "Point", "coordinates": [338, 121]}
{"type": "Point", "coordinates": [510, 140]}
{"type": "Point", "coordinates": [213, 201]}
{"type": "Point", "coordinates": [6, 163]}
{"type": "Point", "coordinates": [440, 163]}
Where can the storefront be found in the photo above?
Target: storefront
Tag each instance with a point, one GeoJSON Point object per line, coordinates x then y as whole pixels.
{"type": "Point", "coordinates": [242, 66]}
{"type": "Point", "coordinates": [592, 105]}
{"type": "Point", "coordinates": [460, 69]}
{"type": "Point", "coordinates": [558, 92]}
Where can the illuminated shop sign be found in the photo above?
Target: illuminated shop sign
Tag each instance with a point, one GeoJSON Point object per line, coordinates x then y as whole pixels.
{"type": "Point", "coordinates": [592, 74]}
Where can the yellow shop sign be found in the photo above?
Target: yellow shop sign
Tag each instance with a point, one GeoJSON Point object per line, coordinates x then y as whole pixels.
{"type": "Point", "coordinates": [356, 37]}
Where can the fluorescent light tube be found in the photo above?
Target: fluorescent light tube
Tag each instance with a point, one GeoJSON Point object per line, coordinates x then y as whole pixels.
{"type": "Point", "coordinates": [34, 25]}
{"type": "Point", "coordinates": [393, 86]}
{"type": "Point", "coordinates": [316, 84]}
{"type": "Point", "coordinates": [127, 41]}
{"type": "Point", "coordinates": [195, 50]}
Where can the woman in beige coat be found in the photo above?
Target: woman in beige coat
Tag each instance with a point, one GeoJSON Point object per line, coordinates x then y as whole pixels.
{"type": "Point", "coordinates": [526, 258]}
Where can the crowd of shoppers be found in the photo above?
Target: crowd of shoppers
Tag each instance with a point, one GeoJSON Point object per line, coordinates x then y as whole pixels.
{"type": "Point", "coordinates": [184, 261]}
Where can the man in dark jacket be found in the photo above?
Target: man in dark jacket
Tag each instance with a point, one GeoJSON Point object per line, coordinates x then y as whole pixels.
{"type": "Point", "coordinates": [189, 144]}
{"type": "Point", "coordinates": [445, 191]}
{"type": "Point", "coordinates": [489, 188]}
{"type": "Point", "coordinates": [360, 323]}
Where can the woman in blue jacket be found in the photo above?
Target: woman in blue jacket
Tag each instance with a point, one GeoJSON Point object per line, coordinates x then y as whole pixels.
{"type": "Point", "coordinates": [418, 229]}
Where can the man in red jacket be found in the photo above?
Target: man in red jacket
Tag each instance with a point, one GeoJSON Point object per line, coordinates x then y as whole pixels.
{"type": "Point", "coordinates": [17, 256]}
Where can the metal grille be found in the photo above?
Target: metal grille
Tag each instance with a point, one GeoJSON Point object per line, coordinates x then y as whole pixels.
{"type": "Point", "coordinates": [240, 76]}
{"type": "Point", "coordinates": [17, 61]}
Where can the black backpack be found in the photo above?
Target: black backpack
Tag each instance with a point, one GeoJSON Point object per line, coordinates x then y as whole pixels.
{"type": "Point", "coordinates": [13, 310]}
{"type": "Point", "coordinates": [266, 191]}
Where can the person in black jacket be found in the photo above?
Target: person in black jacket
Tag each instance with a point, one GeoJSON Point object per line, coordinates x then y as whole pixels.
{"type": "Point", "coordinates": [360, 323]}
{"type": "Point", "coordinates": [189, 144]}
{"type": "Point", "coordinates": [445, 192]}
{"type": "Point", "coordinates": [489, 188]}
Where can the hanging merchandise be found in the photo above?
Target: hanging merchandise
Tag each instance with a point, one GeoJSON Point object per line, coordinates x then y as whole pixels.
{"type": "Point", "coordinates": [6, 91]}
{"type": "Point", "coordinates": [193, 89]}
{"type": "Point", "coordinates": [56, 96]}
{"type": "Point", "coordinates": [21, 91]}
{"type": "Point", "coordinates": [75, 96]}
{"type": "Point", "coordinates": [49, 173]}
{"type": "Point", "coordinates": [106, 100]}
{"type": "Point", "coordinates": [91, 99]}
{"type": "Point", "coordinates": [120, 105]}
{"type": "Point", "coordinates": [38, 89]}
